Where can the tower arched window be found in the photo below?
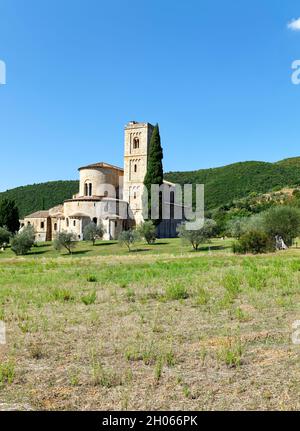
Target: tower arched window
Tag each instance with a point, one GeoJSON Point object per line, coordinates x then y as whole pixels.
{"type": "Point", "coordinates": [135, 167]}
{"type": "Point", "coordinates": [136, 143]}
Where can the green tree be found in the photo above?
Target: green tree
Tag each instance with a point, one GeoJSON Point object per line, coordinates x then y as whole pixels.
{"type": "Point", "coordinates": [198, 236]}
{"type": "Point", "coordinates": [147, 230]}
{"type": "Point", "coordinates": [128, 238]}
{"type": "Point", "coordinates": [283, 221]}
{"type": "Point", "coordinates": [4, 237]}
{"type": "Point", "coordinates": [65, 240]}
{"type": "Point", "coordinates": [92, 232]}
{"type": "Point", "coordinates": [22, 242]}
{"type": "Point", "coordinates": [155, 174]}
{"type": "Point", "coordinates": [9, 215]}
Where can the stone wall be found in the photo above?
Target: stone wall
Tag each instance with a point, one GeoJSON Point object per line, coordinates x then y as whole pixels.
{"type": "Point", "coordinates": [100, 178]}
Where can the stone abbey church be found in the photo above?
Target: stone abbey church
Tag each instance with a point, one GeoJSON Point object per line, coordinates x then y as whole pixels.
{"type": "Point", "coordinates": [107, 194]}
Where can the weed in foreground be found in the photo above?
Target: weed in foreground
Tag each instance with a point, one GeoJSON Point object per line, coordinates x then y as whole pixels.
{"type": "Point", "coordinates": [7, 373]}
{"type": "Point", "coordinates": [231, 352]}
{"type": "Point", "coordinates": [91, 278]}
{"type": "Point", "coordinates": [62, 294]}
{"type": "Point", "coordinates": [176, 291]}
{"type": "Point", "coordinates": [101, 376]}
{"type": "Point", "coordinates": [90, 298]}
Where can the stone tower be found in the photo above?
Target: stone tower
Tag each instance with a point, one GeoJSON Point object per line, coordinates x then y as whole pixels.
{"type": "Point", "coordinates": [137, 143]}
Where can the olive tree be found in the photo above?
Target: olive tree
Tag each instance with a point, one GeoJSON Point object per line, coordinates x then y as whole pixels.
{"type": "Point", "coordinates": [237, 227]}
{"type": "Point", "coordinates": [22, 242]}
{"type": "Point", "coordinates": [128, 238]}
{"type": "Point", "coordinates": [147, 230]}
{"type": "Point", "coordinates": [197, 236]}
{"type": "Point", "coordinates": [283, 221]}
{"type": "Point", "coordinates": [92, 232]}
{"type": "Point", "coordinates": [65, 240]}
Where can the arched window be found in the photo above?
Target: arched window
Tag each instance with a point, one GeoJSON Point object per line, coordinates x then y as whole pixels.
{"type": "Point", "coordinates": [42, 225]}
{"type": "Point", "coordinates": [135, 167]}
{"type": "Point", "coordinates": [88, 189]}
{"type": "Point", "coordinates": [136, 143]}
{"type": "Point", "coordinates": [95, 220]}
{"type": "Point", "coordinates": [74, 223]}
{"type": "Point", "coordinates": [55, 226]}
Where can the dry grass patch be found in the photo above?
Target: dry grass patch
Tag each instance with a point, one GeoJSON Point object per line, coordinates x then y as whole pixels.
{"type": "Point", "coordinates": [150, 330]}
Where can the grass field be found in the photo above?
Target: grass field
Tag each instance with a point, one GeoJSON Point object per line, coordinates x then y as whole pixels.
{"type": "Point", "coordinates": [162, 327]}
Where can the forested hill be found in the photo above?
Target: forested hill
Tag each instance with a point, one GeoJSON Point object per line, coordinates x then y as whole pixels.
{"type": "Point", "coordinates": [222, 184]}
{"type": "Point", "coordinates": [238, 180]}
{"type": "Point", "coordinates": [41, 196]}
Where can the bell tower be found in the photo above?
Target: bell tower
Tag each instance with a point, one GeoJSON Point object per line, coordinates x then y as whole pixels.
{"type": "Point", "coordinates": [137, 143]}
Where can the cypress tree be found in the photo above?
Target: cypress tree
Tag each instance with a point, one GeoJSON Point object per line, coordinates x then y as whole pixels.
{"type": "Point", "coordinates": [154, 173]}
{"type": "Point", "coordinates": [9, 215]}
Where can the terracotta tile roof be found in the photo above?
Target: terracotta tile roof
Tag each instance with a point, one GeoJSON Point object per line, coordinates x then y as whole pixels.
{"type": "Point", "coordinates": [101, 165]}
{"type": "Point", "coordinates": [38, 214]}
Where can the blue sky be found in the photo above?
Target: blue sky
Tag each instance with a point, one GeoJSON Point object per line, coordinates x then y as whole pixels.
{"type": "Point", "coordinates": [215, 74]}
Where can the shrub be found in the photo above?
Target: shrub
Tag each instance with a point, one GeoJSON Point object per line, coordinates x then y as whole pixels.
{"type": "Point", "coordinates": [23, 241]}
{"type": "Point", "coordinates": [254, 242]}
{"type": "Point", "coordinates": [128, 238]}
{"type": "Point", "coordinates": [65, 240]}
{"type": "Point", "coordinates": [4, 237]}
{"type": "Point", "coordinates": [92, 232]}
{"type": "Point", "coordinates": [283, 221]}
{"type": "Point", "coordinates": [147, 230]}
{"type": "Point", "coordinates": [199, 236]}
